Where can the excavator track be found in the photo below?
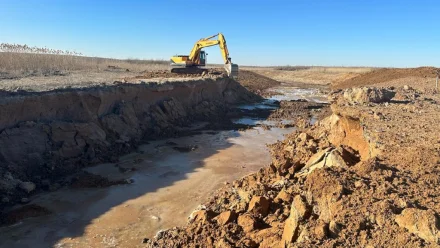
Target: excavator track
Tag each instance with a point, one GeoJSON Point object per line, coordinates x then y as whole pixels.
{"type": "Point", "coordinates": [187, 70]}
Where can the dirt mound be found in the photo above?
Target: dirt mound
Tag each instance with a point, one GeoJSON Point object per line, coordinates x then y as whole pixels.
{"type": "Point", "coordinates": [366, 176]}
{"type": "Point", "coordinates": [168, 74]}
{"type": "Point", "coordinates": [252, 81]}
{"type": "Point", "coordinates": [255, 82]}
{"type": "Point", "coordinates": [367, 95]}
{"type": "Point", "coordinates": [385, 75]}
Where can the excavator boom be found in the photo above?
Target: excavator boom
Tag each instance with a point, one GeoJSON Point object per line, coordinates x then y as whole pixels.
{"type": "Point", "coordinates": [197, 57]}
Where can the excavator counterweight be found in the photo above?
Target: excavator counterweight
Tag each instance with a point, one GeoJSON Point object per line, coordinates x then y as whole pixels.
{"type": "Point", "coordinates": [196, 60]}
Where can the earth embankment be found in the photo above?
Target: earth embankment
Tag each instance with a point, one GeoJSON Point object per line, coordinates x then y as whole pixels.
{"type": "Point", "coordinates": [48, 135]}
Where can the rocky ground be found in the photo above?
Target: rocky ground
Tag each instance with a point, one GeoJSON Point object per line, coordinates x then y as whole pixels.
{"type": "Point", "coordinates": [365, 176]}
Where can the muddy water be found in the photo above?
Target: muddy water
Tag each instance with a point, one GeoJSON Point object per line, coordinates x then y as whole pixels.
{"type": "Point", "coordinates": [286, 92]}
{"type": "Point", "coordinates": [167, 185]}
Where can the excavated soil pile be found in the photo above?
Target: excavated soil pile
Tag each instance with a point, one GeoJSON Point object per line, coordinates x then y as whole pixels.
{"type": "Point", "coordinates": [252, 81]}
{"type": "Point", "coordinates": [168, 74]}
{"type": "Point", "coordinates": [256, 83]}
{"type": "Point", "coordinates": [385, 75]}
{"type": "Point", "coordinates": [46, 136]}
{"type": "Point", "coordinates": [366, 176]}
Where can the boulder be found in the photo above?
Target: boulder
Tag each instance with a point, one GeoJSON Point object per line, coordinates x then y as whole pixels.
{"type": "Point", "coordinates": [249, 243]}
{"type": "Point", "coordinates": [299, 211]}
{"type": "Point", "coordinates": [202, 216]}
{"type": "Point", "coordinates": [325, 190]}
{"type": "Point", "coordinates": [8, 182]}
{"type": "Point", "coordinates": [422, 223]}
{"type": "Point", "coordinates": [259, 205]}
{"type": "Point", "coordinates": [367, 95]}
{"type": "Point", "coordinates": [321, 230]}
{"type": "Point", "coordinates": [283, 196]}
{"type": "Point", "coordinates": [328, 157]}
{"type": "Point", "coordinates": [226, 217]}
{"type": "Point", "coordinates": [247, 222]}
{"type": "Point", "coordinates": [28, 187]}
{"type": "Point", "coordinates": [286, 165]}
{"type": "Point", "coordinates": [334, 229]}
{"type": "Point", "coordinates": [304, 137]}
{"type": "Point", "coordinates": [222, 243]}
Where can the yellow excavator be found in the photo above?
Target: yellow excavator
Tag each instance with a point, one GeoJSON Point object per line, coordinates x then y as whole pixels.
{"type": "Point", "coordinates": [193, 62]}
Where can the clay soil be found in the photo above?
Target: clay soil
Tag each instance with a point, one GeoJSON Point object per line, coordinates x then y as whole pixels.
{"type": "Point", "coordinates": [366, 176]}
{"type": "Point", "coordinates": [387, 75]}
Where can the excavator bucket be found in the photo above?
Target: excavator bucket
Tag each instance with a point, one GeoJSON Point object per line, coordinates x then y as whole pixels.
{"type": "Point", "coordinates": [232, 70]}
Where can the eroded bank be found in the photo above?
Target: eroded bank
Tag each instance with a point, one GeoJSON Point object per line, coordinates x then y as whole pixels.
{"type": "Point", "coordinates": [48, 135]}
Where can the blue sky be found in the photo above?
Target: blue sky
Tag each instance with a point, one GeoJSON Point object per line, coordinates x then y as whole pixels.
{"type": "Point", "coordinates": [296, 32]}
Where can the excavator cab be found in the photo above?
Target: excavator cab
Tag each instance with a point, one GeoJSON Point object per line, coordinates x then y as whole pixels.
{"type": "Point", "coordinates": [203, 58]}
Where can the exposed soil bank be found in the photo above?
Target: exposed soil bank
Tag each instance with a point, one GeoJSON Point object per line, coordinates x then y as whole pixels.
{"type": "Point", "coordinates": [48, 135]}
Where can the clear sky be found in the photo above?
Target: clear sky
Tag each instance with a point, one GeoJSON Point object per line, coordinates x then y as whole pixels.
{"type": "Point", "coordinates": [396, 33]}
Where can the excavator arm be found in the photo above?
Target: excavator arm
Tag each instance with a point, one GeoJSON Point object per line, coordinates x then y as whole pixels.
{"type": "Point", "coordinates": [194, 56]}
{"type": "Point", "coordinates": [207, 42]}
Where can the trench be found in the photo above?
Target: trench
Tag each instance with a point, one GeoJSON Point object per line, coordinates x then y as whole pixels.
{"type": "Point", "coordinates": [167, 179]}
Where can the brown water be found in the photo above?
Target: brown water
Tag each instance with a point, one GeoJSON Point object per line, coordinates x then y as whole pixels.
{"type": "Point", "coordinates": [168, 186]}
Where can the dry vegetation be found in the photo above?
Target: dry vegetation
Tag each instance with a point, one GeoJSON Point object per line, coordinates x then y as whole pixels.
{"type": "Point", "coordinates": [18, 61]}
{"type": "Point", "coordinates": [36, 71]}
{"type": "Point", "coordinates": [15, 65]}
